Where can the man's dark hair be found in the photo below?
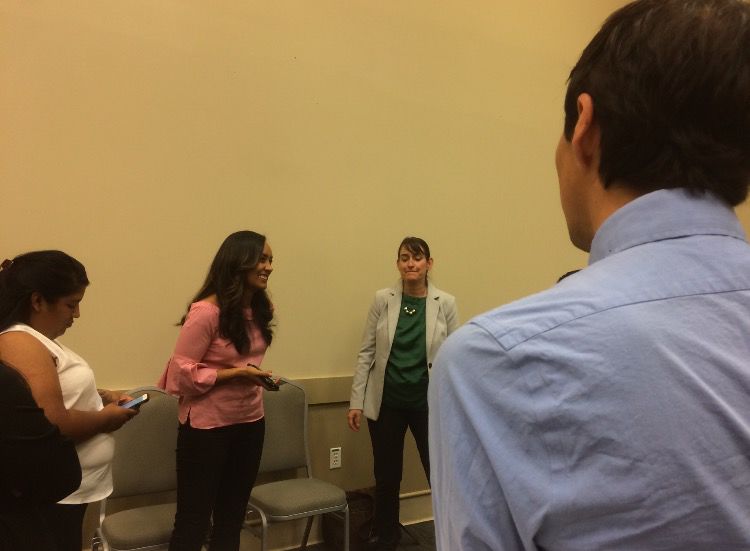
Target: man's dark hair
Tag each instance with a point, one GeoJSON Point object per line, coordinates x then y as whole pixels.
{"type": "Point", "coordinates": [670, 83]}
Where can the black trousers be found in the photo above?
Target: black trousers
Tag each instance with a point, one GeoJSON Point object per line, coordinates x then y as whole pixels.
{"type": "Point", "coordinates": [216, 470]}
{"type": "Point", "coordinates": [66, 524]}
{"type": "Point", "coordinates": [387, 436]}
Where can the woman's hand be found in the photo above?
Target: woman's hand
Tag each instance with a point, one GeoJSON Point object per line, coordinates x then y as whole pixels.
{"type": "Point", "coordinates": [112, 396]}
{"type": "Point", "coordinates": [354, 418]}
{"type": "Point", "coordinates": [115, 416]}
{"type": "Point", "coordinates": [255, 374]}
{"type": "Point", "coordinates": [249, 373]}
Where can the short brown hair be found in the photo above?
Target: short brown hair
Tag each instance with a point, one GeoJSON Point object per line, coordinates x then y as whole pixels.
{"type": "Point", "coordinates": [670, 83]}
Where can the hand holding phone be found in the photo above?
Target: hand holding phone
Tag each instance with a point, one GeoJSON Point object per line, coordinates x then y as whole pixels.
{"type": "Point", "coordinates": [268, 383]}
{"type": "Point", "coordinates": [136, 403]}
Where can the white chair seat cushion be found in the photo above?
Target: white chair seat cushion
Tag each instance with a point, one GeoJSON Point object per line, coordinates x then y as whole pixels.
{"type": "Point", "coordinates": [141, 527]}
{"type": "Point", "coordinates": [288, 498]}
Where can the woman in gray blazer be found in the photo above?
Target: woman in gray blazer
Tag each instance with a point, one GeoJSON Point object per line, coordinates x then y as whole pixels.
{"type": "Point", "coordinates": [405, 327]}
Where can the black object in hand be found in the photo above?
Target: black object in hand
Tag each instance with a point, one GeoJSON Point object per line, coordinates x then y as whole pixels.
{"type": "Point", "coordinates": [268, 382]}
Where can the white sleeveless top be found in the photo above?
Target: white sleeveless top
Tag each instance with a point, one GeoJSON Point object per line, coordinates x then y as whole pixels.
{"type": "Point", "coordinates": [79, 392]}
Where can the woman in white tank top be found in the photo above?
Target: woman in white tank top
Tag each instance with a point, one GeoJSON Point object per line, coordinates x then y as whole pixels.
{"type": "Point", "coordinates": [40, 294]}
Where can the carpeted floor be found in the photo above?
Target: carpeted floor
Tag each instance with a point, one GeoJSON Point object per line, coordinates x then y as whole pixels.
{"type": "Point", "coordinates": [416, 537]}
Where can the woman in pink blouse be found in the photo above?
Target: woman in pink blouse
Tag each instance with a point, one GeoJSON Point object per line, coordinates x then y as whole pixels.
{"type": "Point", "coordinates": [214, 371]}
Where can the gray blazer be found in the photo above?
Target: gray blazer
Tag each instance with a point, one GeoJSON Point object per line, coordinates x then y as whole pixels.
{"type": "Point", "coordinates": [441, 320]}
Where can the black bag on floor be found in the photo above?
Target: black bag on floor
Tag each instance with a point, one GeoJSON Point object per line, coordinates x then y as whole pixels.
{"type": "Point", "coordinates": [361, 507]}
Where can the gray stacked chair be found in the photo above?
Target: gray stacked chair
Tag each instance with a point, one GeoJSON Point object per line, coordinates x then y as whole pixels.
{"type": "Point", "coordinates": [285, 450]}
{"type": "Point", "coordinates": [144, 464]}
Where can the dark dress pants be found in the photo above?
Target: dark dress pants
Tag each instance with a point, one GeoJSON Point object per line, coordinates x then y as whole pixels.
{"type": "Point", "coordinates": [66, 524]}
{"type": "Point", "coordinates": [216, 470]}
{"type": "Point", "coordinates": [387, 435]}
{"type": "Point", "coordinates": [26, 528]}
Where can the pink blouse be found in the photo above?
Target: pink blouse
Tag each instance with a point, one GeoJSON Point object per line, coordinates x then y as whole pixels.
{"type": "Point", "coordinates": [191, 371]}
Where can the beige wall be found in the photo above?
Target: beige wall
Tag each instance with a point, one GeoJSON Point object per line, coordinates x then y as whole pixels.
{"type": "Point", "coordinates": [136, 135]}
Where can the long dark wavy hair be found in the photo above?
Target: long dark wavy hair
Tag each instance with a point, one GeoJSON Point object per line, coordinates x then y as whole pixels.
{"type": "Point", "coordinates": [227, 279]}
{"type": "Point", "coordinates": [52, 274]}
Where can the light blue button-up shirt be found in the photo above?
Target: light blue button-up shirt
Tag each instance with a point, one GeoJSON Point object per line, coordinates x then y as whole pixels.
{"type": "Point", "coordinates": [611, 412]}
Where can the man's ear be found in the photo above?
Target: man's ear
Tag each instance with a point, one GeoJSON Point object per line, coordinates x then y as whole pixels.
{"type": "Point", "coordinates": [586, 134]}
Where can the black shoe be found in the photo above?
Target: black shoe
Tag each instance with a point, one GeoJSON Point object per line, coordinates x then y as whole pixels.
{"type": "Point", "coordinates": [376, 543]}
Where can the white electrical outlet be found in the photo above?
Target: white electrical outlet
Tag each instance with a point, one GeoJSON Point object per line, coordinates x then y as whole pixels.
{"type": "Point", "coordinates": [335, 458]}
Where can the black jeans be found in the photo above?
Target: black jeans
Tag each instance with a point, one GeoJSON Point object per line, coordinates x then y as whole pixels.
{"type": "Point", "coordinates": [216, 470]}
{"type": "Point", "coordinates": [387, 435]}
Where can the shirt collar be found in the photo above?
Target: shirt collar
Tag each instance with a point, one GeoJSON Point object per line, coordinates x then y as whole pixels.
{"type": "Point", "coordinates": [664, 214]}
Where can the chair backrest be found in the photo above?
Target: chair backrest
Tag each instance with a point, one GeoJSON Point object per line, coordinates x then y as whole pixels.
{"type": "Point", "coordinates": [144, 459]}
{"type": "Point", "coordinates": [285, 444]}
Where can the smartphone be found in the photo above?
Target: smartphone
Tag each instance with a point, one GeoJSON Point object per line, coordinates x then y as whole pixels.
{"type": "Point", "coordinates": [135, 403]}
{"type": "Point", "coordinates": [268, 382]}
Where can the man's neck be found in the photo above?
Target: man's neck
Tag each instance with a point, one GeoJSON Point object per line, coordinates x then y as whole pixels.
{"type": "Point", "coordinates": [603, 204]}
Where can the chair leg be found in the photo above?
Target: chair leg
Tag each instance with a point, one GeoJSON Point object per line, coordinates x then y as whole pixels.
{"type": "Point", "coordinates": [346, 528]}
{"type": "Point", "coordinates": [307, 533]}
{"type": "Point", "coordinates": [98, 543]}
{"type": "Point", "coordinates": [263, 533]}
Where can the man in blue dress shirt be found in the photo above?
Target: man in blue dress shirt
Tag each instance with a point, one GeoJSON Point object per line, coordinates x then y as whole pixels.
{"type": "Point", "coordinates": [612, 412]}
